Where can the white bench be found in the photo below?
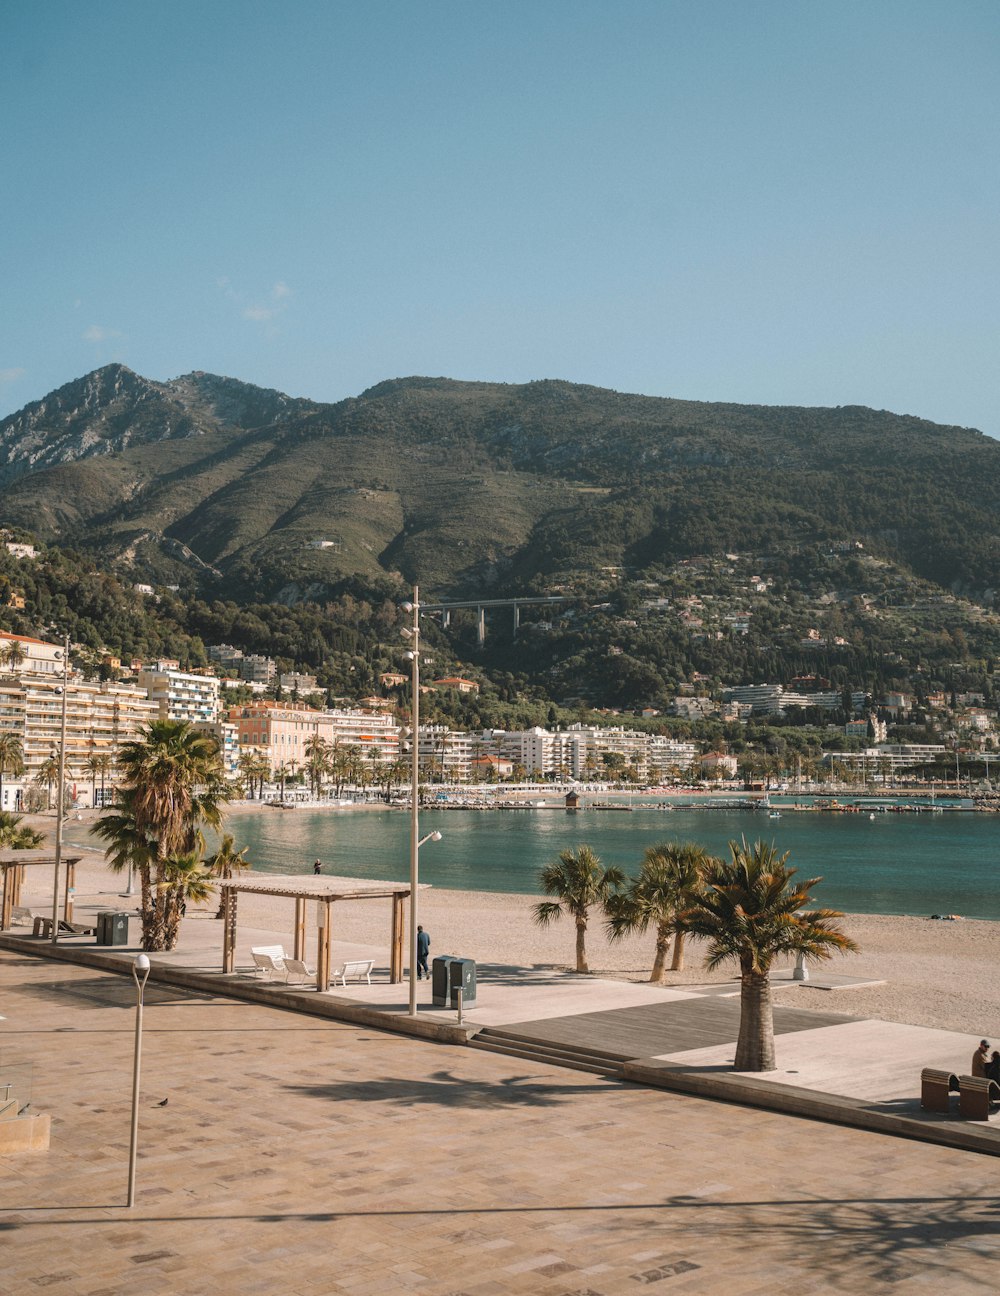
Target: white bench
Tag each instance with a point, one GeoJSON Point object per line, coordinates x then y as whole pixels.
{"type": "Point", "coordinates": [355, 968]}
{"type": "Point", "coordinates": [21, 916]}
{"type": "Point", "coordinates": [269, 960]}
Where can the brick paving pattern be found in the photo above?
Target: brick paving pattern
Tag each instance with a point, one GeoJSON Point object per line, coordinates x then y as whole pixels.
{"type": "Point", "coordinates": [305, 1157]}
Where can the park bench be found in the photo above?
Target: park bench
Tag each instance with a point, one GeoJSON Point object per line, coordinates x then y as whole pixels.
{"type": "Point", "coordinates": [269, 961]}
{"type": "Point", "coordinates": [355, 969]}
{"type": "Point", "coordinates": [22, 916]}
{"type": "Point", "coordinates": [43, 927]}
{"type": "Point", "coordinates": [936, 1088]}
{"type": "Point", "coordinates": [976, 1094]}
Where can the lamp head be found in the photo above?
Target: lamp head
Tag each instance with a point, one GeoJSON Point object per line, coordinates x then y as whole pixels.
{"type": "Point", "coordinates": [140, 969]}
{"type": "Point", "coordinates": [407, 607]}
{"type": "Point", "coordinates": [435, 836]}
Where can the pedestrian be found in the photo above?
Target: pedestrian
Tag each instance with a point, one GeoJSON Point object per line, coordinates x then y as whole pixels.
{"type": "Point", "coordinates": [980, 1059]}
{"type": "Point", "coordinates": [317, 867]}
{"type": "Point", "coordinates": [423, 949]}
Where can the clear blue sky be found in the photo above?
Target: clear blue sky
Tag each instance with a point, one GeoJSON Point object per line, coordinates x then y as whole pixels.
{"type": "Point", "coordinates": [774, 202]}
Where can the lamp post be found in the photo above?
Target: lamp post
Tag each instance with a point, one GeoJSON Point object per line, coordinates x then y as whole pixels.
{"type": "Point", "coordinates": [412, 632]}
{"type": "Point", "coordinates": [59, 793]}
{"type": "Point", "coordinates": [140, 971]}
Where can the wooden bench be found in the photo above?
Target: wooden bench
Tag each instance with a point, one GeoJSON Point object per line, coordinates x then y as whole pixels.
{"type": "Point", "coordinates": [43, 927]}
{"type": "Point", "coordinates": [354, 968]}
{"type": "Point", "coordinates": [936, 1088]}
{"type": "Point", "coordinates": [976, 1094]}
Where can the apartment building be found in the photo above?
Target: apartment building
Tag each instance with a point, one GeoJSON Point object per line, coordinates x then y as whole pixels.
{"type": "Point", "coordinates": [281, 730]}
{"type": "Point", "coordinates": [99, 718]}
{"type": "Point", "coordinates": [180, 695]}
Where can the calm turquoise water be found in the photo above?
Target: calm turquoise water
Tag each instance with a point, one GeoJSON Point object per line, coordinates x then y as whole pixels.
{"type": "Point", "coordinates": [896, 864]}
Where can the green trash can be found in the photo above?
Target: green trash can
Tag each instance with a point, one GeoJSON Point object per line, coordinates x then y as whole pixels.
{"type": "Point", "coordinates": [462, 974]}
{"type": "Point", "coordinates": [112, 928]}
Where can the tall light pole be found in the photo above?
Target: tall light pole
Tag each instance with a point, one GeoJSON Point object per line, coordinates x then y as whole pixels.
{"type": "Point", "coordinates": [140, 971]}
{"type": "Point", "coordinates": [413, 634]}
{"type": "Point", "coordinates": [59, 793]}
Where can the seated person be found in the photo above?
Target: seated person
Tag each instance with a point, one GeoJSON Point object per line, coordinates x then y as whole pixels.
{"type": "Point", "coordinates": [993, 1067]}
{"type": "Point", "coordinates": [980, 1058]}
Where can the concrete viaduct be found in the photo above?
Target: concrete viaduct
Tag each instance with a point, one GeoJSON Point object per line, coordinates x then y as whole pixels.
{"type": "Point", "coordinates": [481, 605]}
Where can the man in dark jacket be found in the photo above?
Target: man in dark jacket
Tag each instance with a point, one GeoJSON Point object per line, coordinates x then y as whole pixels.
{"type": "Point", "coordinates": [423, 949]}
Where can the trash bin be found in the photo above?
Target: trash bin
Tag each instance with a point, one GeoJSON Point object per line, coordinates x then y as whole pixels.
{"type": "Point", "coordinates": [462, 973]}
{"type": "Point", "coordinates": [112, 928]}
{"type": "Point", "coordinates": [439, 980]}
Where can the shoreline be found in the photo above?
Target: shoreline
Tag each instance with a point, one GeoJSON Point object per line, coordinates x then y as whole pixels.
{"type": "Point", "coordinates": [932, 970]}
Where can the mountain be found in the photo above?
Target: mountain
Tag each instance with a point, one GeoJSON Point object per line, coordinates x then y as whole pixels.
{"type": "Point", "coordinates": [472, 486]}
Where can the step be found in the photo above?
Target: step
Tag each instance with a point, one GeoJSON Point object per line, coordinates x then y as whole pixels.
{"type": "Point", "coordinates": [499, 1033]}
{"type": "Point", "coordinates": [576, 1059]}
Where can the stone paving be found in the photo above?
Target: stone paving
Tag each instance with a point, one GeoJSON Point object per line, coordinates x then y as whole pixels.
{"type": "Point", "coordinates": [309, 1157]}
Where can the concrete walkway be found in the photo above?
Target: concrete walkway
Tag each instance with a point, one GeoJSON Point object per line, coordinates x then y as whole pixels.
{"type": "Point", "coordinates": [830, 1066]}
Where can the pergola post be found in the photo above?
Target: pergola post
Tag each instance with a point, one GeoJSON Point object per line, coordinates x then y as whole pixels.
{"type": "Point", "coordinates": [299, 934]}
{"type": "Point", "coordinates": [396, 941]}
{"type": "Point", "coordinates": [229, 929]}
{"type": "Point", "coordinates": [323, 946]}
{"type": "Point", "coordinates": [8, 895]}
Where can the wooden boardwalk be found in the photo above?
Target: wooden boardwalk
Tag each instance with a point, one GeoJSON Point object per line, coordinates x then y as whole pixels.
{"type": "Point", "coordinates": [651, 1030]}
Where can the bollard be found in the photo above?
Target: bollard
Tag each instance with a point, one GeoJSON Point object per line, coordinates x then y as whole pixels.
{"type": "Point", "coordinates": [800, 972]}
{"type": "Point", "coordinates": [459, 1005]}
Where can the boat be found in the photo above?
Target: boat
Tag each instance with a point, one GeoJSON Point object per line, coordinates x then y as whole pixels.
{"type": "Point", "coordinates": [774, 814]}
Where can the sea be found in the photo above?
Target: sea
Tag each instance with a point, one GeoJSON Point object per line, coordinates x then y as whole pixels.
{"type": "Point", "coordinates": [905, 863]}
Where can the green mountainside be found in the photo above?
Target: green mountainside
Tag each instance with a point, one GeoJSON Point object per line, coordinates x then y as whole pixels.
{"type": "Point", "coordinates": [473, 486]}
{"type": "Point", "coordinates": [695, 544]}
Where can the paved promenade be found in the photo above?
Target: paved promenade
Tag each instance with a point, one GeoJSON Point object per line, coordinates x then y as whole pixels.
{"type": "Point", "coordinates": [287, 1154]}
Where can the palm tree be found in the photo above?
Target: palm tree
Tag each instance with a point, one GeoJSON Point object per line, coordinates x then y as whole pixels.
{"type": "Point", "coordinates": [225, 862]}
{"type": "Point", "coordinates": [317, 763]}
{"type": "Point", "coordinates": [104, 767]}
{"type": "Point", "coordinates": [581, 883]}
{"type": "Point", "coordinates": [670, 877]}
{"type": "Point", "coordinates": [172, 784]}
{"type": "Point", "coordinates": [11, 756]}
{"type": "Point", "coordinates": [93, 767]}
{"type": "Point", "coordinates": [14, 837]}
{"type": "Point", "coordinates": [185, 878]}
{"type": "Point", "coordinates": [14, 655]}
{"type": "Point", "coordinates": [751, 912]}
{"type": "Point", "coordinates": [48, 774]}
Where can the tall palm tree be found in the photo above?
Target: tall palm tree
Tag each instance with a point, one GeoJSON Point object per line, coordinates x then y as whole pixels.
{"type": "Point", "coordinates": [751, 912]}
{"type": "Point", "coordinates": [11, 756]}
{"type": "Point", "coordinates": [580, 882]}
{"type": "Point", "coordinates": [185, 878]}
{"type": "Point", "coordinates": [172, 785]}
{"type": "Point", "coordinates": [226, 861]}
{"type": "Point", "coordinates": [670, 877]}
{"type": "Point", "coordinates": [47, 776]}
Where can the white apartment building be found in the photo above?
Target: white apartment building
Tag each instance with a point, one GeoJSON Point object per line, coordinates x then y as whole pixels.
{"type": "Point", "coordinates": [446, 755]}
{"type": "Point", "coordinates": [180, 695]}
{"type": "Point", "coordinates": [890, 757]}
{"type": "Point", "coordinates": [40, 658]}
{"type": "Point", "coordinates": [99, 718]}
{"type": "Point", "coordinates": [578, 752]}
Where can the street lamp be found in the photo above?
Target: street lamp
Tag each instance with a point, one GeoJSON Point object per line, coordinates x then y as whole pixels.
{"type": "Point", "coordinates": [59, 795]}
{"type": "Point", "coordinates": [140, 971]}
{"type": "Point", "coordinates": [412, 633]}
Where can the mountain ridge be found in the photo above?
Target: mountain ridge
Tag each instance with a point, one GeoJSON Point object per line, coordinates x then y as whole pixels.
{"type": "Point", "coordinates": [481, 485]}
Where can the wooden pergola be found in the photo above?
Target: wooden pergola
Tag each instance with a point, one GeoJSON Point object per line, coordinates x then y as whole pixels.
{"type": "Point", "coordinates": [326, 891]}
{"type": "Point", "coordinates": [14, 862]}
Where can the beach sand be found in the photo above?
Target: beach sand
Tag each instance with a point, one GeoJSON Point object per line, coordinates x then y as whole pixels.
{"type": "Point", "coordinates": [935, 973]}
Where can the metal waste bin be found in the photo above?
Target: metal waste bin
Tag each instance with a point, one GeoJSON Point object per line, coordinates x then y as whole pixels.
{"type": "Point", "coordinates": [112, 928]}
{"type": "Point", "coordinates": [439, 979]}
{"type": "Point", "coordinates": [462, 973]}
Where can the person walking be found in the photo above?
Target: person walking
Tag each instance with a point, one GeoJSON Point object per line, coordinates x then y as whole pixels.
{"type": "Point", "coordinates": [423, 949]}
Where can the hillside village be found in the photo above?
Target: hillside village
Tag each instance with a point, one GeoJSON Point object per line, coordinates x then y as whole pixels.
{"type": "Point", "coordinates": [284, 734]}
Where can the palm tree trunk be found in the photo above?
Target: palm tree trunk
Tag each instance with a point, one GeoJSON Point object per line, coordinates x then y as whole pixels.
{"type": "Point", "coordinates": [581, 948]}
{"type": "Point", "coordinates": [755, 1047]}
{"type": "Point", "coordinates": [660, 957]}
{"type": "Point", "coordinates": [678, 961]}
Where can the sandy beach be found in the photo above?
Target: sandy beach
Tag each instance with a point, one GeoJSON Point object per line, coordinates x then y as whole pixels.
{"type": "Point", "coordinates": [933, 971]}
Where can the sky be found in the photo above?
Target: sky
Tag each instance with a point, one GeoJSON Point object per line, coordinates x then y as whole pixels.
{"type": "Point", "coordinates": [762, 201]}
